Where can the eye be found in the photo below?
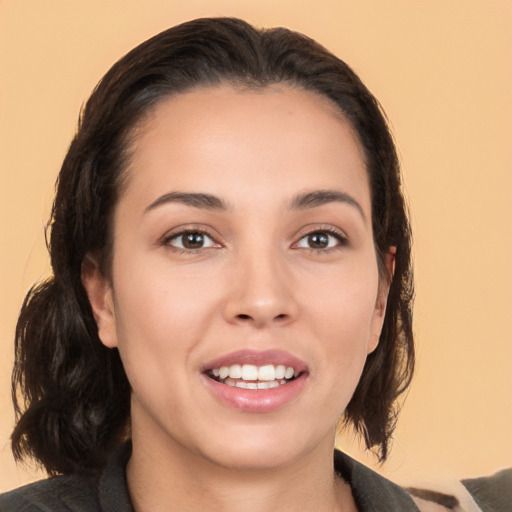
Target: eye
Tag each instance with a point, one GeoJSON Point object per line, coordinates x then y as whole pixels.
{"type": "Point", "coordinates": [191, 240]}
{"type": "Point", "coordinates": [321, 240]}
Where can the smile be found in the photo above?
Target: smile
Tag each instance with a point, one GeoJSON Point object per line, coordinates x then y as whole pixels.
{"type": "Point", "coordinates": [256, 381]}
{"type": "Point", "coordinates": [249, 376]}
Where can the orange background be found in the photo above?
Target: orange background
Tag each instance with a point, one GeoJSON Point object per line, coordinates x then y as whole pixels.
{"type": "Point", "coordinates": [443, 71]}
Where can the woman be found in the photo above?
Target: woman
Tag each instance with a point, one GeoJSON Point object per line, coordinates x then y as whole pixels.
{"type": "Point", "coordinates": [232, 280]}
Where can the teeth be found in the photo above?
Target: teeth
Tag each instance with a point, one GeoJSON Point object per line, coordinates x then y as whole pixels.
{"type": "Point", "coordinates": [289, 373]}
{"type": "Point", "coordinates": [267, 374]}
{"type": "Point", "coordinates": [254, 385]}
{"type": "Point", "coordinates": [249, 372]}
{"type": "Point", "coordinates": [280, 371]}
{"type": "Point", "coordinates": [235, 371]}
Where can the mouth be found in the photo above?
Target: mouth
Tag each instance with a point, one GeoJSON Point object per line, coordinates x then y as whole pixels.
{"type": "Point", "coordinates": [250, 376]}
{"type": "Point", "coordinates": [256, 381]}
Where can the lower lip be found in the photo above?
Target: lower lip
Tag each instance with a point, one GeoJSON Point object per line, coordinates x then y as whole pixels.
{"type": "Point", "coordinates": [257, 400]}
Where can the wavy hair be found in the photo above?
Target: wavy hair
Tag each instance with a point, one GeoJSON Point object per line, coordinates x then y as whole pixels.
{"type": "Point", "coordinates": [70, 392]}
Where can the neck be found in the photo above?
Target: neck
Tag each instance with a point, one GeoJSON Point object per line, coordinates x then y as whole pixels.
{"type": "Point", "coordinates": [168, 477]}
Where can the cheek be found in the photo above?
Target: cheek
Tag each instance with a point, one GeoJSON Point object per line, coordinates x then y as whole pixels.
{"type": "Point", "coordinates": [341, 313]}
{"type": "Point", "coordinates": [158, 328]}
{"type": "Point", "coordinates": [345, 299]}
{"type": "Point", "coordinates": [163, 315]}
{"type": "Point", "coordinates": [160, 317]}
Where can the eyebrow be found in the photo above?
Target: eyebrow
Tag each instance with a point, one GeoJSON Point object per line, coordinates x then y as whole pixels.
{"type": "Point", "coordinates": [320, 197]}
{"type": "Point", "coordinates": [195, 199]}
{"type": "Point", "coordinates": [302, 201]}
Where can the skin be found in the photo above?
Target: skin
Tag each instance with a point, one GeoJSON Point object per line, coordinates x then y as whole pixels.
{"type": "Point", "coordinates": [256, 283]}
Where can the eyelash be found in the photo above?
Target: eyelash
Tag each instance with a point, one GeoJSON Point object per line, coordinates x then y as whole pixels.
{"type": "Point", "coordinates": [341, 240]}
{"type": "Point", "coordinates": [167, 240]}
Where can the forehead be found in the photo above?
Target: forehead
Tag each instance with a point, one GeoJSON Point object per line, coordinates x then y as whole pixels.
{"type": "Point", "coordinates": [221, 137]}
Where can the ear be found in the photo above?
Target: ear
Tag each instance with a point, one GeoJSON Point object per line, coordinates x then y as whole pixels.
{"type": "Point", "coordinates": [99, 291]}
{"type": "Point", "coordinates": [379, 312]}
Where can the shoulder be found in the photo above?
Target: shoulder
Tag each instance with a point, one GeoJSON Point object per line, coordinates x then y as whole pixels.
{"type": "Point", "coordinates": [372, 491]}
{"type": "Point", "coordinates": [103, 491]}
{"type": "Point", "coordinates": [488, 493]}
{"type": "Point", "coordinates": [57, 494]}
{"type": "Point", "coordinates": [492, 492]}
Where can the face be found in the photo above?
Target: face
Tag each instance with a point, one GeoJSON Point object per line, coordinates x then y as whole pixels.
{"type": "Point", "coordinates": [244, 296]}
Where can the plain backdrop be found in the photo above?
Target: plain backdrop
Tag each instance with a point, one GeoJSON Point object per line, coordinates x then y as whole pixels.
{"type": "Point", "coordinates": [443, 71]}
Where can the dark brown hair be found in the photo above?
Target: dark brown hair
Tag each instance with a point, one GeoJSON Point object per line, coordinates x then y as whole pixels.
{"type": "Point", "coordinates": [70, 393]}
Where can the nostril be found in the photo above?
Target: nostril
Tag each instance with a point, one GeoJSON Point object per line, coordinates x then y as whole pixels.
{"type": "Point", "coordinates": [282, 316]}
{"type": "Point", "coordinates": [244, 317]}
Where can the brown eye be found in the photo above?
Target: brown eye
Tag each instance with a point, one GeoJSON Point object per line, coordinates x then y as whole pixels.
{"type": "Point", "coordinates": [193, 240]}
{"type": "Point", "coordinates": [190, 240]}
{"type": "Point", "coordinates": [321, 240]}
{"type": "Point", "coordinates": [318, 240]}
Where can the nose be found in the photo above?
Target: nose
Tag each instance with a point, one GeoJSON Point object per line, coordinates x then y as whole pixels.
{"type": "Point", "coordinates": [262, 293]}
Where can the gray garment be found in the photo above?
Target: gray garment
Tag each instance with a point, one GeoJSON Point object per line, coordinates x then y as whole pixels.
{"type": "Point", "coordinates": [492, 493]}
{"type": "Point", "coordinates": [108, 491]}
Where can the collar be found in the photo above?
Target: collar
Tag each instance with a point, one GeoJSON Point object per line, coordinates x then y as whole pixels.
{"type": "Point", "coordinates": [112, 487]}
{"type": "Point", "coordinates": [372, 492]}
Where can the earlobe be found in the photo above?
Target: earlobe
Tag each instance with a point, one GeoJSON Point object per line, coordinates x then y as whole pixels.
{"type": "Point", "coordinates": [99, 292]}
{"type": "Point", "coordinates": [379, 312]}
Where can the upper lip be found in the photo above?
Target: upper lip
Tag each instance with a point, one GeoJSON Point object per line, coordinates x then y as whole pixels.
{"type": "Point", "coordinates": [257, 358]}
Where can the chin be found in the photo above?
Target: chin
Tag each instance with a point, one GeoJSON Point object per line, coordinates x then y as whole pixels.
{"type": "Point", "coordinates": [263, 449]}
{"type": "Point", "coordinates": [254, 458]}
